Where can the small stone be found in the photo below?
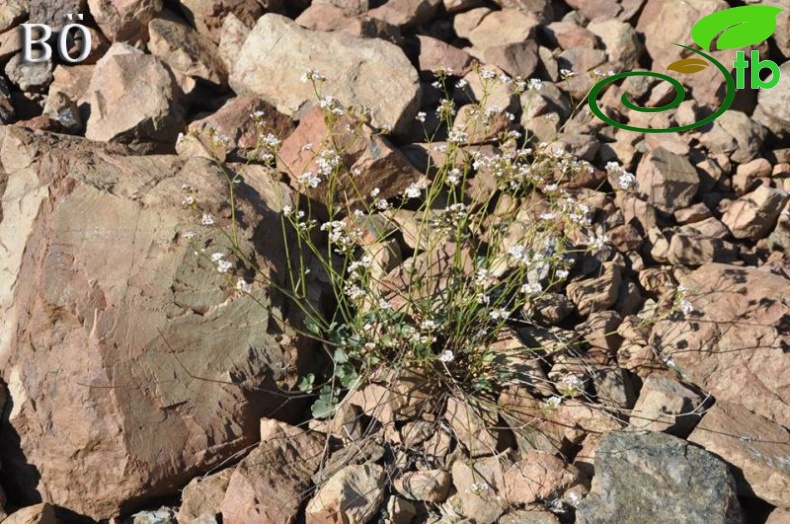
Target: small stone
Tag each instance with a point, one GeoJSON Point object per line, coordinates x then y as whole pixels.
{"type": "Point", "coordinates": [667, 180]}
{"type": "Point", "coordinates": [596, 294]}
{"type": "Point", "coordinates": [354, 494]}
{"type": "Point", "coordinates": [428, 485]}
{"type": "Point", "coordinates": [202, 497]}
{"type": "Point", "coordinates": [694, 213]}
{"type": "Point", "coordinates": [753, 215]}
{"type": "Point", "coordinates": [472, 426]}
{"type": "Point", "coordinates": [537, 477]}
{"type": "Point", "coordinates": [666, 405]}
{"type": "Point", "coordinates": [38, 514]}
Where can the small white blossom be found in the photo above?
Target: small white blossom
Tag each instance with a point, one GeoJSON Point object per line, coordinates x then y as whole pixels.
{"type": "Point", "coordinates": [383, 304]}
{"type": "Point", "coordinates": [216, 257]}
{"type": "Point", "coordinates": [428, 325]}
{"type": "Point", "coordinates": [207, 220]}
{"type": "Point", "coordinates": [421, 116]}
{"type": "Point", "coordinates": [626, 181]}
{"type": "Point", "coordinates": [686, 307]}
{"type": "Point", "coordinates": [446, 356]}
{"type": "Point", "coordinates": [243, 285]}
{"type": "Point", "coordinates": [499, 314]}
{"type": "Point", "coordinates": [287, 210]}
{"type": "Point", "coordinates": [413, 191]}
{"type": "Point", "coordinates": [223, 266]}
{"type": "Point", "coordinates": [188, 201]}
{"type": "Point", "coordinates": [375, 192]}
{"type": "Point", "coordinates": [531, 289]}
{"type": "Point", "coordinates": [311, 74]}
{"type": "Point", "coordinates": [567, 73]}
{"type": "Point", "coordinates": [562, 274]}
{"type": "Point", "coordinates": [461, 84]}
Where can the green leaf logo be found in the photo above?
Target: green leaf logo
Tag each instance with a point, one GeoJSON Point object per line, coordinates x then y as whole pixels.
{"type": "Point", "coordinates": [738, 26]}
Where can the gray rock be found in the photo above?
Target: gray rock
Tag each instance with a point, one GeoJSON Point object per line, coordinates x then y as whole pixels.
{"type": "Point", "coordinates": [6, 106]}
{"type": "Point", "coordinates": [735, 134]}
{"type": "Point", "coordinates": [53, 12]}
{"type": "Point", "coordinates": [653, 477]}
{"type": "Point", "coordinates": [12, 12]}
{"type": "Point", "coordinates": [31, 77]}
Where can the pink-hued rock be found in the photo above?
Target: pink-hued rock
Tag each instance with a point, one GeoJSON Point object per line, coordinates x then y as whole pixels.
{"type": "Point", "coordinates": [132, 363]}
{"type": "Point", "coordinates": [734, 342]}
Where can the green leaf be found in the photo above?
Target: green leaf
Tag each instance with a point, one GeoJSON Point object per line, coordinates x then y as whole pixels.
{"type": "Point", "coordinates": [306, 383]}
{"type": "Point", "coordinates": [340, 356]}
{"type": "Point", "coordinates": [738, 26]}
{"type": "Point", "coordinates": [312, 326]}
{"type": "Point", "coordinates": [321, 408]}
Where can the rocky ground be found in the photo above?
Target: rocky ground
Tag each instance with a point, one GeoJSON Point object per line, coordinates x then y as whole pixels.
{"type": "Point", "coordinates": [137, 386]}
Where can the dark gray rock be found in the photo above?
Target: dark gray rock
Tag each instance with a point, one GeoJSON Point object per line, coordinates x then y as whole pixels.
{"type": "Point", "coordinates": [654, 477]}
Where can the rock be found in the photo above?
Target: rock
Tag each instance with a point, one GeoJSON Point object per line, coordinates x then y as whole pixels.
{"type": "Point", "coordinates": [6, 105]}
{"type": "Point", "coordinates": [231, 38]}
{"type": "Point", "coordinates": [596, 294]}
{"type": "Point", "coordinates": [30, 77]}
{"type": "Point", "coordinates": [38, 514]}
{"type": "Point", "coordinates": [326, 17]}
{"type": "Point", "coordinates": [435, 55]}
{"type": "Point", "coordinates": [660, 38]}
{"type": "Point", "coordinates": [406, 13]}
{"type": "Point", "coordinates": [753, 215]}
{"type": "Point", "coordinates": [524, 364]}
{"type": "Point", "coordinates": [666, 180]}
{"type": "Point", "coordinates": [692, 214]}
{"type": "Point", "coordinates": [371, 160]}
{"type": "Point", "coordinates": [637, 474]}
{"type": "Point", "coordinates": [772, 109]}
{"type": "Point", "coordinates": [465, 23]}
{"type": "Point", "coordinates": [620, 40]}
{"type": "Point", "coordinates": [185, 50]}
{"type": "Point", "coordinates": [352, 495]}
{"type": "Point", "coordinates": [124, 21]}
{"type": "Point", "coordinates": [603, 9]}
{"type": "Point", "coordinates": [430, 485]}
{"type": "Point", "coordinates": [202, 497]}
{"type": "Point", "coordinates": [53, 12]}
{"type": "Point", "coordinates": [133, 96]}
{"type": "Point", "coordinates": [473, 426]}
{"type": "Point", "coordinates": [375, 74]}
{"type": "Point", "coordinates": [245, 121]}
{"type": "Point", "coordinates": [62, 109]}
{"type": "Point", "coordinates": [529, 516]}
{"type": "Point", "coordinates": [270, 484]}
{"type": "Point", "coordinates": [479, 486]}
{"type": "Point", "coordinates": [537, 477]}
{"type": "Point", "coordinates": [505, 39]}
{"type": "Point", "coordinates": [736, 135]}
{"type": "Point", "coordinates": [755, 448]}
{"type": "Point", "coordinates": [72, 81]}
{"type": "Point", "coordinates": [667, 405]}
{"type": "Point", "coordinates": [779, 516]}
{"type": "Point", "coordinates": [732, 343]}
{"type": "Point", "coordinates": [13, 12]}
{"type": "Point", "coordinates": [568, 35]}
{"type": "Point", "coordinates": [208, 16]}
{"type": "Point", "coordinates": [757, 168]}
{"type": "Point", "coordinates": [130, 323]}
{"type": "Point", "coordinates": [689, 248]}
{"type": "Point", "coordinates": [163, 515]}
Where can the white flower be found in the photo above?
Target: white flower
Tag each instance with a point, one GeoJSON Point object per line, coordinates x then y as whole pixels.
{"type": "Point", "coordinates": [216, 257]}
{"type": "Point", "coordinates": [446, 356]}
{"type": "Point", "coordinates": [243, 285]}
{"type": "Point", "coordinates": [413, 191]}
{"type": "Point", "coordinates": [487, 74]}
{"type": "Point", "coordinates": [308, 179]}
{"type": "Point", "coordinates": [223, 266]}
{"type": "Point", "coordinates": [499, 314]}
{"type": "Point", "coordinates": [189, 234]}
{"type": "Point", "coordinates": [375, 192]}
{"type": "Point", "coordinates": [552, 402]}
{"type": "Point", "coordinates": [561, 274]}
{"type": "Point", "coordinates": [179, 138]}
{"type": "Point", "coordinates": [188, 201]}
{"type": "Point", "coordinates": [428, 325]}
{"type": "Point", "coordinates": [531, 289]}
{"type": "Point", "coordinates": [287, 210]}
{"type": "Point", "coordinates": [461, 84]}
{"type": "Point", "coordinates": [548, 216]}
{"type": "Point", "coordinates": [382, 204]}
{"type": "Point", "coordinates": [207, 220]}
{"type": "Point", "coordinates": [453, 177]}
{"type": "Point", "coordinates": [535, 84]}
{"type": "Point", "coordinates": [421, 116]}
{"type": "Point", "coordinates": [311, 74]}
{"type": "Point", "coordinates": [626, 180]}
{"type": "Point", "coordinates": [686, 307]}
{"type": "Point", "coordinates": [567, 73]}
{"type": "Point", "coordinates": [383, 304]}
{"type": "Point", "coordinates": [599, 242]}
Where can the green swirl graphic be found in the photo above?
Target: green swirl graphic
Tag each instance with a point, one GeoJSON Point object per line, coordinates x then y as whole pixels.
{"type": "Point", "coordinates": [592, 98]}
